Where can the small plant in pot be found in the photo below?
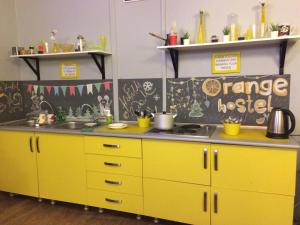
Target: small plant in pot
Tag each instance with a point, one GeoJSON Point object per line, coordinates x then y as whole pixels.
{"type": "Point", "coordinates": [226, 34]}
{"type": "Point", "coordinates": [186, 38]}
{"type": "Point", "coordinates": [274, 30]}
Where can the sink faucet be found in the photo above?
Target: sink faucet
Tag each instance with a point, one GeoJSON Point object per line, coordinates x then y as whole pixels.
{"type": "Point", "coordinates": [49, 105]}
{"type": "Point", "coordinates": [89, 106]}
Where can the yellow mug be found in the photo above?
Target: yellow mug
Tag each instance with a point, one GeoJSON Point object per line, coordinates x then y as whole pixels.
{"type": "Point", "coordinates": [232, 128]}
{"type": "Point", "coordinates": [143, 122]}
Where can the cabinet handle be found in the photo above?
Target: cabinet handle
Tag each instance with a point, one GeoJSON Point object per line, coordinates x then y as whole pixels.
{"type": "Point", "coordinates": [37, 142]}
{"type": "Point", "coordinates": [113, 182]}
{"type": "Point", "coordinates": [111, 146]}
{"type": "Point", "coordinates": [205, 202]}
{"type": "Point", "coordinates": [215, 202]}
{"type": "Point", "coordinates": [113, 201]}
{"type": "Point", "coordinates": [112, 164]}
{"type": "Point", "coordinates": [216, 159]}
{"type": "Point", "coordinates": [30, 144]}
{"type": "Point", "coordinates": [205, 158]}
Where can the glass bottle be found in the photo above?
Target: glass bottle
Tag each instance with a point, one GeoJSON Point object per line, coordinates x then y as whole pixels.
{"type": "Point", "coordinates": [201, 32]}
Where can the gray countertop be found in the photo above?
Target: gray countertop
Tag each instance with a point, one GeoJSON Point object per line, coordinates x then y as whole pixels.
{"type": "Point", "coordinates": [247, 136]}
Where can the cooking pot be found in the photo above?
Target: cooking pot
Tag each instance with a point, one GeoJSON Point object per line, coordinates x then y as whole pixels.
{"type": "Point", "coordinates": [163, 121]}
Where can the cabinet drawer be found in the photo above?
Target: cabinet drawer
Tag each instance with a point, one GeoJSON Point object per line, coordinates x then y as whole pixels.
{"type": "Point", "coordinates": [113, 146]}
{"type": "Point", "coordinates": [116, 165]}
{"type": "Point", "coordinates": [115, 201]}
{"type": "Point", "coordinates": [187, 203]}
{"type": "Point", "coordinates": [114, 183]}
{"type": "Point", "coordinates": [178, 161]}
{"type": "Point", "coordinates": [250, 168]}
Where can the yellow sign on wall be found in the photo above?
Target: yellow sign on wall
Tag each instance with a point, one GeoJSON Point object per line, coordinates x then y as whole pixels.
{"type": "Point", "coordinates": [69, 70]}
{"type": "Point", "coordinates": [226, 62]}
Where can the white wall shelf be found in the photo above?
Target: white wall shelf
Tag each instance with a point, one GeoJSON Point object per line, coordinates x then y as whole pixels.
{"type": "Point", "coordinates": [95, 54]}
{"type": "Point", "coordinates": [281, 41]}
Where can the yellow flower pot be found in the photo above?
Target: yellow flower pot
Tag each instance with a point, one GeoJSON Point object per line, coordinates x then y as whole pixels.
{"type": "Point", "coordinates": [143, 122]}
{"type": "Point", "coordinates": [232, 128]}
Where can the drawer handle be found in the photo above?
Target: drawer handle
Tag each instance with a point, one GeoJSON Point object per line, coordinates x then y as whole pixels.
{"type": "Point", "coordinates": [111, 146]}
{"type": "Point", "coordinates": [113, 182]}
{"type": "Point", "coordinates": [215, 202]}
{"type": "Point", "coordinates": [205, 158]}
{"type": "Point", "coordinates": [216, 160]}
{"type": "Point", "coordinates": [112, 164]}
{"type": "Point", "coordinates": [205, 202]}
{"type": "Point", "coordinates": [37, 143]}
{"type": "Point", "coordinates": [113, 201]}
{"type": "Point", "coordinates": [30, 144]}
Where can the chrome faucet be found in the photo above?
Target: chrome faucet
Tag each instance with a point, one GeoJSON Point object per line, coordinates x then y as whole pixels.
{"type": "Point", "coordinates": [89, 106]}
{"type": "Point", "coordinates": [50, 106]}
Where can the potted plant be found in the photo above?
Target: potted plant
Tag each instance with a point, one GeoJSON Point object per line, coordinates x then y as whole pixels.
{"type": "Point", "coordinates": [274, 30]}
{"type": "Point", "coordinates": [226, 34]}
{"type": "Point", "coordinates": [186, 38]}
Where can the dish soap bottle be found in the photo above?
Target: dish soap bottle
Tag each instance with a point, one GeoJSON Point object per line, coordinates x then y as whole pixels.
{"type": "Point", "coordinates": [108, 117]}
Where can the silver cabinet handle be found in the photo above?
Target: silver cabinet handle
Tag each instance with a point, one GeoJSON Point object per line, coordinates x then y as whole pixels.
{"type": "Point", "coordinates": [37, 143]}
{"type": "Point", "coordinates": [111, 146]}
{"type": "Point", "coordinates": [30, 144]}
{"type": "Point", "coordinates": [112, 164]}
{"type": "Point", "coordinates": [205, 201]}
{"type": "Point", "coordinates": [205, 158]}
{"type": "Point", "coordinates": [113, 182]}
{"type": "Point", "coordinates": [113, 201]}
{"type": "Point", "coordinates": [215, 202]}
{"type": "Point", "coordinates": [216, 159]}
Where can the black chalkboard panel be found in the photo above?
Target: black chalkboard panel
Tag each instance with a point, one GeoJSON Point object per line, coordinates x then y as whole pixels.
{"type": "Point", "coordinates": [11, 101]}
{"type": "Point", "coordinates": [139, 94]}
{"type": "Point", "coordinates": [79, 99]}
{"type": "Point", "coordinates": [210, 100]}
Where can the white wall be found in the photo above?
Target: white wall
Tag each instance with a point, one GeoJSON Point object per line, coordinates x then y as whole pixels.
{"type": "Point", "coordinates": [134, 51]}
{"type": "Point", "coordinates": [9, 69]}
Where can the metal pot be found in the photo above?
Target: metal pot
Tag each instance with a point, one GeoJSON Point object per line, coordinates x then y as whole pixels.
{"type": "Point", "coordinates": [164, 121]}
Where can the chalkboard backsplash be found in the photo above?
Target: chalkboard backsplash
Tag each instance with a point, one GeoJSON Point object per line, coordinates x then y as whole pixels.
{"type": "Point", "coordinates": [79, 99]}
{"type": "Point", "coordinates": [211, 99]}
{"type": "Point", "coordinates": [139, 94]}
{"type": "Point", "coordinates": [11, 101]}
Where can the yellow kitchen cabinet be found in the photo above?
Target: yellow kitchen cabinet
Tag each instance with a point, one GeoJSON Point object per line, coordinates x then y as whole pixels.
{"type": "Point", "coordinates": [18, 173]}
{"type": "Point", "coordinates": [177, 161]}
{"type": "Point", "coordinates": [187, 203]}
{"type": "Point", "coordinates": [250, 168]}
{"type": "Point", "coordinates": [115, 201]}
{"type": "Point", "coordinates": [234, 207]}
{"type": "Point", "coordinates": [61, 167]}
{"type": "Point", "coordinates": [113, 146]}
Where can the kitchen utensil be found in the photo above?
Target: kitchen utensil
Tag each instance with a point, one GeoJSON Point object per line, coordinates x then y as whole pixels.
{"type": "Point", "coordinates": [232, 128]}
{"type": "Point", "coordinates": [117, 125]}
{"type": "Point", "coordinates": [143, 122]}
{"type": "Point", "coordinates": [278, 123]}
{"type": "Point", "coordinates": [161, 38]}
{"type": "Point", "coordinates": [164, 121]}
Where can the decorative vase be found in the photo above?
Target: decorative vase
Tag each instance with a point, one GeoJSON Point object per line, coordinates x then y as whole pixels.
{"type": "Point", "coordinates": [226, 38]}
{"type": "Point", "coordinates": [201, 33]}
{"type": "Point", "coordinates": [263, 20]}
{"type": "Point", "coordinates": [186, 41]}
{"type": "Point", "coordinates": [274, 34]}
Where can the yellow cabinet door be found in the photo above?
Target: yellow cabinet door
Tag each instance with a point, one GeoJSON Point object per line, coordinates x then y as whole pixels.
{"type": "Point", "coordinates": [181, 202]}
{"type": "Point", "coordinates": [233, 207]}
{"type": "Point", "coordinates": [251, 168]}
{"type": "Point", "coordinates": [18, 171]}
{"type": "Point", "coordinates": [177, 161]}
{"type": "Point", "coordinates": [61, 167]}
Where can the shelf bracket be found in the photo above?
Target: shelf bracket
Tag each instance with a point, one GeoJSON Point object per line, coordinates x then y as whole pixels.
{"type": "Point", "coordinates": [100, 64]}
{"type": "Point", "coordinates": [282, 53]}
{"type": "Point", "coordinates": [175, 60]}
{"type": "Point", "coordinates": [35, 69]}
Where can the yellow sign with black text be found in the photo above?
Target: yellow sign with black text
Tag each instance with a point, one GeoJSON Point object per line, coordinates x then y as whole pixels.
{"type": "Point", "coordinates": [226, 62]}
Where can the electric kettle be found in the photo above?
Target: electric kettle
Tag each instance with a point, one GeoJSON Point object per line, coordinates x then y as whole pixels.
{"type": "Point", "coordinates": [278, 123]}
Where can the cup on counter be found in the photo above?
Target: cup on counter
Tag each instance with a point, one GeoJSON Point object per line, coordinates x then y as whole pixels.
{"type": "Point", "coordinates": [232, 128]}
{"type": "Point", "coordinates": [143, 122]}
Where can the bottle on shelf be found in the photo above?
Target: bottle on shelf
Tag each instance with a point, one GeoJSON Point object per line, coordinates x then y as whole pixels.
{"type": "Point", "coordinates": [201, 32]}
{"type": "Point", "coordinates": [54, 44]}
{"type": "Point", "coordinates": [263, 19]}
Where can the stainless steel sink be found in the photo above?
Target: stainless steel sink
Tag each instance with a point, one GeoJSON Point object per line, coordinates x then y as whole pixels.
{"type": "Point", "coordinates": [69, 125]}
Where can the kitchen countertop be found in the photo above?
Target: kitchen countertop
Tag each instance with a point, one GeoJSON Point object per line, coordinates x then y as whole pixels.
{"type": "Point", "coordinates": [248, 136]}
